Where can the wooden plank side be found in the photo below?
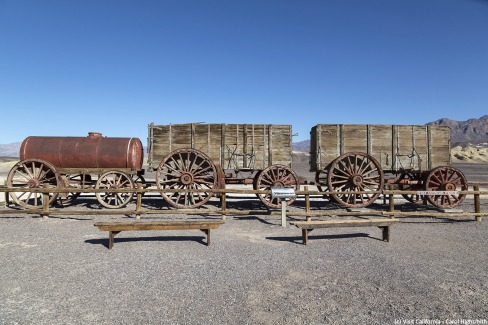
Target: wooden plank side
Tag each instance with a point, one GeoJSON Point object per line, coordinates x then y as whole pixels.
{"type": "Point", "coordinates": [405, 154]}
{"type": "Point", "coordinates": [258, 146]}
{"type": "Point", "coordinates": [181, 136]}
{"type": "Point", "coordinates": [354, 138]}
{"type": "Point", "coordinates": [440, 146]}
{"type": "Point", "coordinates": [420, 148]}
{"type": "Point", "coordinates": [411, 148]}
{"type": "Point", "coordinates": [314, 149]}
{"type": "Point", "coordinates": [233, 146]}
{"type": "Point", "coordinates": [207, 139]}
{"type": "Point", "coordinates": [328, 145]}
{"type": "Point", "coordinates": [396, 147]}
{"type": "Point", "coordinates": [380, 143]}
{"type": "Point", "coordinates": [160, 144]}
{"type": "Point", "coordinates": [280, 145]}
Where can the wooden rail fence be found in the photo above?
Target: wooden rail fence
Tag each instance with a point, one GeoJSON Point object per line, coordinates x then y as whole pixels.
{"type": "Point", "coordinates": [388, 195]}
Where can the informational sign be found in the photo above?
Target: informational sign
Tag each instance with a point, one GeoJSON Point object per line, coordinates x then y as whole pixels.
{"type": "Point", "coordinates": [438, 193]}
{"type": "Point", "coordinates": [282, 192]}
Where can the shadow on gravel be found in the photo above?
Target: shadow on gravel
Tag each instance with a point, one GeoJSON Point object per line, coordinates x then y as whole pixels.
{"type": "Point", "coordinates": [248, 218]}
{"type": "Point", "coordinates": [298, 239]}
{"type": "Point", "coordinates": [437, 220]}
{"type": "Point", "coordinates": [104, 241]}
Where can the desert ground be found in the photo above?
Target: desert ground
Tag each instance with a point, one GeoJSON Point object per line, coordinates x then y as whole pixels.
{"type": "Point", "coordinates": [59, 270]}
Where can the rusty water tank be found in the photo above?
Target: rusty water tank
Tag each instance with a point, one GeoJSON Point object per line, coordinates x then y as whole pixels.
{"type": "Point", "coordinates": [93, 151]}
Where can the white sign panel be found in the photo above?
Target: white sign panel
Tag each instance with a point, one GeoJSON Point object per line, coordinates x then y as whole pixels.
{"type": "Point", "coordinates": [437, 193]}
{"type": "Point", "coordinates": [282, 192]}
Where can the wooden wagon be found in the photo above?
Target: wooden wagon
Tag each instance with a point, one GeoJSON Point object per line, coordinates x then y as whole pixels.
{"type": "Point", "coordinates": [363, 158]}
{"type": "Point", "coordinates": [198, 156]}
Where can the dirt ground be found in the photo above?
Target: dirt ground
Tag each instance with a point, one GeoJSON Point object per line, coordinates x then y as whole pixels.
{"type": "Point", "coordinates": [59, 270]}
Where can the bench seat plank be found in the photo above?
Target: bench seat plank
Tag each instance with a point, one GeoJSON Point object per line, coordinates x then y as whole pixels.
{"type": "Point", "coordinates": [343, 223]}
{"type": "Point", "coordinates": [116, 227]}
{"type": "Point", "coordinates": [383, 224]}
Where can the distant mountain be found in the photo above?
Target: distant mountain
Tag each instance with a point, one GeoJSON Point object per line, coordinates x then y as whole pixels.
{"type": "Point", "coordinates": [302, 146]}
{"type": "Point", "coordinates": [10, 150]}
{"type": "Point", "coordinates": [473, 131]}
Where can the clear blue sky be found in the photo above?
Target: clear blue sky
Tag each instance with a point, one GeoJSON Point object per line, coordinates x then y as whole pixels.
{"type": "Point", "coordinates": [70, 67]}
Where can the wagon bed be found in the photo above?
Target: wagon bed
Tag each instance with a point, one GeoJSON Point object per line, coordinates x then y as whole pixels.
{"type": "Point", "coordinates": [199, 156]}
{"type": "Point", "coordinates": [356, 160]}
{"type": "Point", "coordinates": [232, 146]}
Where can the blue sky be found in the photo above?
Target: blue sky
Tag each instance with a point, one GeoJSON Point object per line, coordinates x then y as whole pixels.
{"type": "Point", "coordinates": [70, 67]}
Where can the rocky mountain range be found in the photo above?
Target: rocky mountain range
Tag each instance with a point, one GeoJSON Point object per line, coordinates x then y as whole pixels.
{"type": "Point", "coordinates": [473, 131]}
{"type": "Point", "coordinates": [10, 150]}
{"type": "Point", "coordinates": [463, 133]}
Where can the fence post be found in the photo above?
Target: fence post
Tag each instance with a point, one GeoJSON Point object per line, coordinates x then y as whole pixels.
{"type": "Point", "coordinates": [45, 202]}
{"type": "Point", "coordinates": [477, 202]}
{"type": "Point", "coordinates": [7, 196]}
{"type": "Point", "coordinates": [138, 201]}
{"type": "Point", "coordinates": [307, 204]}
{"type": "Point", "coordinates": [223, 205]}
{"type": "Point", "coordinates": [391, 202]}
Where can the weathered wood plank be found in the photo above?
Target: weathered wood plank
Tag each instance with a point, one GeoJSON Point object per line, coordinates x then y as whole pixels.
{"type": "Point", "coordinates": [343, 223]}
{"type": "Point", "coordinates": [234, 146]}
{"type": "Point", "coordinates": [116, 227]}
{"type": "Point", "coordinates": [383, 224]}
{"type": "Point", "coordinates": [396, 147]}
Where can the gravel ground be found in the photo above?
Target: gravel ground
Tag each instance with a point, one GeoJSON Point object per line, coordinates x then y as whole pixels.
{"type": "Point", "coordinates": [59, 270]}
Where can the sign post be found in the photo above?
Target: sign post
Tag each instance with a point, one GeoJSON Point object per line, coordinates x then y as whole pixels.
{"type": "Point", "coordinates": [283, 193]}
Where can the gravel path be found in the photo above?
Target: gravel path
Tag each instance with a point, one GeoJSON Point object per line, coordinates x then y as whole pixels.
{"type": "Point", "coordinates": [59, 271]}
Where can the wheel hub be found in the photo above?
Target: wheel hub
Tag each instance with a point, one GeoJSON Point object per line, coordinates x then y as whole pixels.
{"type": "Point", "coordinates": [33, 182]}
{"type": "Point", "coordinates": [186, 178]}
{"type": "Point", "coordinates": [278, 184]}
{"type": "Point", "coordinates": [449, 187]}
{"type": "Point", "coordinates": [357, 180]}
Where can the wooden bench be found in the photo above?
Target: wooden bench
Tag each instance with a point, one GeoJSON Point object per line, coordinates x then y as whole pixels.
{"type": "Point", "coordinates": [383, 224]}
{"type": "Point", "coordinates": [115, 227]}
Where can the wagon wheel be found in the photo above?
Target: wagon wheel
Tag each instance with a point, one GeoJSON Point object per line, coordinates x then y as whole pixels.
{"type": "Point", "coordinates": [139, 179]}
{"type": "Point", "coordinates": [275, 176]}
{"type": "Point", "coordinates": [186, 169]}
{"type": "Point", "coordinates": [29, 174]}
{"type": "Point", "coordinates": [446, 178]}
{"type": "Point", "coordinates": [74, 181]}
{"type": "Point", "coordinates": [114, 180]}
{"type": "Point", "coordinates": [355, 171]}
{"type": "Point", "coordinates": [321, 182]}
{"type": "Point", "coordinates": [404, 185]}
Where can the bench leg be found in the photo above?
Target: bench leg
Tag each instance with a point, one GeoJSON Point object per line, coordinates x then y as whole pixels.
{"type": "Point", "coordinates": [207, 232]}
{"type": "Point", "coordinates": [386, 233]}
{"type": "Point", "coordinates": [305, 236]}
{"type": "Point", "coordinates": [111, 235]}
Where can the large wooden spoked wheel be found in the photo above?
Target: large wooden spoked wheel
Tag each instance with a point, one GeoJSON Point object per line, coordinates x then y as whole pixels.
{"type": "Point", "coordinates": [139, 181]}
{"type": "Point", "coordinates": [405, 184]}
{"type": "Point", "coordinates": [30, 174]}
{"type": "Point", "coordinates": [355, 171]}
{"type": "Point", "coordinates": [321, 182]}
{"type": "Point", "coordinates": [275, 176]}
{"type": "Point", "coordinates": [446, 178]}
{"type": "Point", "coordinates": [186, 170]}
{"type": "Point", "coordinates": [114, 180]}
{"type": "Point", "coordinates": [73, 182]}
